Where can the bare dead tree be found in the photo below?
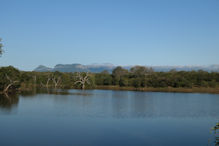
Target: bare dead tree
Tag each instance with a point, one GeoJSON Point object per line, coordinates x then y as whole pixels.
{"type": "Point", "coordinates": [47, 82]}
{"type": "Point", "coordinates": [34, 79]}
{"type": "Point", "coordinates": [11, 82]}
{"type": "Point", "coordinates": [56, 81]}
{"type": "Point", "coordinates": [42, 84]}
{"type": "Point", "coordinates": [82, 80]}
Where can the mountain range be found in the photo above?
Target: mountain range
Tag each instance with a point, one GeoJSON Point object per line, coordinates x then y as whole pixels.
{"type": "Point", "coordinates": [96, 68]}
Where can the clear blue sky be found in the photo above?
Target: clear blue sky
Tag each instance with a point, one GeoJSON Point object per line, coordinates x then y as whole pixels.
{"type": "Point", "coordinates": [122, 32]}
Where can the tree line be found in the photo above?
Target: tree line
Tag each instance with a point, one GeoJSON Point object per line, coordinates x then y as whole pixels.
{"type": "Point", "coordinates": [11, 79]}
{"type": "Point", "coordinates": [140, 76]}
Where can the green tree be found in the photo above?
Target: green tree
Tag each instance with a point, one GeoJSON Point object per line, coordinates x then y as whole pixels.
{"type": "Point", "coordinates": [140, 71]}
{"type": "Point", "coordinates": [103, 78]}
{"type": "Point", "coordinates": [123, 82]}
{"type": "Point", "coordinates": [117, 73]}
{"type": "Point", "coordinates": [136, 82]}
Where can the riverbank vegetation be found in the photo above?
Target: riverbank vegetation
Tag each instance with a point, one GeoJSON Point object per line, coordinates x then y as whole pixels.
{"type": "Point", "coordinates": [137, 78]}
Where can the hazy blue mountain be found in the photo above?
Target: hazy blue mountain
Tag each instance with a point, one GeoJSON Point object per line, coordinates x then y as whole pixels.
{"type": "Point", "coordinates": [77, 68]}
{"type": "Point", "coordinates": [209, 68]}
{"type": "Point", "coordinates": [70, 68]}
{"type": "Point", "coordinates": [42, 68]}
{"type": "Point", "coordinates": [96, 68]}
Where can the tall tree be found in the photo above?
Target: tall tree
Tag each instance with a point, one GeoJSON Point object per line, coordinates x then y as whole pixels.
{"type": "Point", "coordinates": [118, 73]}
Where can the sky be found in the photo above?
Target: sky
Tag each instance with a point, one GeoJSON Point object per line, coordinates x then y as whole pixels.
{"type": "Point", "coordinates": [121, 32]}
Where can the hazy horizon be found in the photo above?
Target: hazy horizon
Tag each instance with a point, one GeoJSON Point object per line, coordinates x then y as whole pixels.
{"type": "Point", "coordinates": [115, 65]}
{"type": "Point", "coordinates": [152, 33]}
{"type": "Point", "coordinates": [193, 65]}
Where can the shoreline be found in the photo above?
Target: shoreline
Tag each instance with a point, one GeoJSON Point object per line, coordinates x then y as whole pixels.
{"type": "Point", "coordinates": [169, 89]}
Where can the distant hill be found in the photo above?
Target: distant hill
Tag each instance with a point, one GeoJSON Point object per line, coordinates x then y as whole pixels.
{"type": "Point", "coordinates": [42, 68]}
{"type": "Point", "coordinates": [77, 68]}
{"type": "Point", "coordinates": [209, 68]}
{"type": "Point", "coordinates": [96, 68]}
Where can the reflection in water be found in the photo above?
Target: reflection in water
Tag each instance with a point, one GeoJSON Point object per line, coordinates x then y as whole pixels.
{"type": "Point", "coordinates": [124, 104]}
{"type": "Point", "coordinates": [8, 102]}
{"type": "Point", "coordinates": [133, 118]}
{"type": "Point", "coordinates": [35, 91]}
{"type": "Point", "coordinates": [120, 104]}
{"type": "Point", "coordinates": [140, 105]}
{"type": "Point", "coordinates": [52, 91]}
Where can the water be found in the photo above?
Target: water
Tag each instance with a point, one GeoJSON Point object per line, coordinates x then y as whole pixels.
{"type": "Point", "coordinates": [105, 117]}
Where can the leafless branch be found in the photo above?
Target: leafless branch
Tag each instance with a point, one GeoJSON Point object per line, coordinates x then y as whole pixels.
{"type": "Point", "coordinates": [82, 80]}
{"type": "Point", "coordinates": [10, 84]}
{"type": "Point", "coordinates": [56, 81]}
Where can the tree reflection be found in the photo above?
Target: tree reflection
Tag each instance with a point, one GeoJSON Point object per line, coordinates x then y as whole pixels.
{"type": "Point", "coordinates": [52, 91]}
{"type": "Point", "coordinates": [120, 104]}
{"type": "Point", "coordinates": [8, 101]}
{"type": "Point", "coordinates": [35, 91]}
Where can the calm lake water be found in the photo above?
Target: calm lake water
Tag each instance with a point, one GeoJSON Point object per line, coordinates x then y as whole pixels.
{"type": "Point", "coordinates": [105, 117]}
